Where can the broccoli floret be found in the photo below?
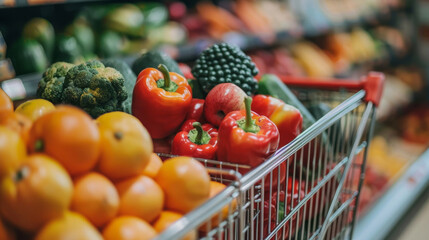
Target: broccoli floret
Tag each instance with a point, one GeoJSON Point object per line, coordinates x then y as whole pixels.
{"type": "Point", "coordinates": [223, 63]}
{"type": "Point", "coordinates": [51, 85]}
{"type": "Point", "coordinates": [95, 88]}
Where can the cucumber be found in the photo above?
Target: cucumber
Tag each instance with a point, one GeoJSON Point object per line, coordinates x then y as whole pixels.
{"type": "Point", "coordinates": [271, 85]}
{"type": "Point", "coordinates": [319, 110]}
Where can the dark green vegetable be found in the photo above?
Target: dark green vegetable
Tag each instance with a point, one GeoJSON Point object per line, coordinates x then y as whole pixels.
{"type": "Point", "coordinates": [94, 14]}
{"type": "Point", "coordinates": [94, 88]}
{"type": "Point", "coordinates": [126, 19]}
{"type": "Point", "coordinates": [42, 31]}
{"type": "Point", "coordinates": [152, 59]}
{"type": "Point", "coordinates": [197, 91]}
{"type": "Point", "coordinates": [155, 14]}
{"type": "Point", "coordinates": [223, 63]}
{"type": "Point", "coordinates": [319, 110]}
{"type": "Point", "coordinates": [271, 85]}
{"type": "Point", "coordinates": [28, 56]}
{"type": "Point", "coordinates": [84, 37]}
{"type": "Point", "coordinates": [110, 44]}
{"type": "Point", "coordinates": [67, 50]}
{"type": "Point", "coordinates": [51, 85]}
{"type": "Point", "coordinates": [129, 76]}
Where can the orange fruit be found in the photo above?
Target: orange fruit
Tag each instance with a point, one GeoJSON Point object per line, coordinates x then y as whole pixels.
{"type": "Point", "coordinates": [35, 108]}
{"type": "Point", "coordinates": [69, 135]}
{"type": "Point", "coordinates": [166, 219]}
{"type": "Point", "coordinates": [6, 233]}
{"type": "Point", "coordinates": [153, 167]}
{"type": "Point", "coordinates": [185, 182]}
{"type": "Point", "coordinates": [140, 197]}
{"type": "Point", "coordinates": [70, 226]}
{"type": "Point", "coordinates": [128, 228]}
{"type": "Point", "coordinates": [216, 188]}
{"type": "Point", "coordinates": [37, 192]}
{"type": "Point", "coordinates": [6, 104]}
{"type": "Point", "coordinates": [17, 122]}
{"type": "Point", "coordinates": [126, 145]}
{"type": "Point", "coordinates": [96, 198]}
{"type": "Point", "coordinates": [12, 150]}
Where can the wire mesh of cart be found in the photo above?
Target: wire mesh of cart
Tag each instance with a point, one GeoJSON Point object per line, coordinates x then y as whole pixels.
{"type": "Point", "coordinates": [308, 189]}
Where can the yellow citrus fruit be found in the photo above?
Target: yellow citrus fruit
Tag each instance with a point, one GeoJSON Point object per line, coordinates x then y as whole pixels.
{"type": "Point", "coordinates": [129, 228]}
{"type": "Point", "coordinates": [186, 183]}
{"type": "Point", "coordinates": [12, 150]}
{"type": "Point", "coordinates": [37, 192]}
{"type": "Point", "coordinates": [141, 197]}
{"type": "Point", "coordinates": [6, 104]}
{"type": "Point", "coordinates": [69, 135]}
{"type": "Point", "coordinates": [166, 219]}
{"type": "Point", "coordinates": [126, 146]}
{"type": "Point", "coordinates": [96, 198]}
{"type": "Point", "coordinates": [35, 108]}
{"type": "Point", "coordinates": [70, 226]}
{"type": "Point", "coordinates": [152, 169]}
{"type": "Point", "coordinates": [216, 188]}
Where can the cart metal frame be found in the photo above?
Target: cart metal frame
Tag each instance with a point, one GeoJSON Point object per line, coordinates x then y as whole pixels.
{"type": "Point", "coordinates": [320, 173]}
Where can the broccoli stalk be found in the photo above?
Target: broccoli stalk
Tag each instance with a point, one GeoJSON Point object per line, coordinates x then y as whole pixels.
{"type": "Point", "coordinates": [94, 88]}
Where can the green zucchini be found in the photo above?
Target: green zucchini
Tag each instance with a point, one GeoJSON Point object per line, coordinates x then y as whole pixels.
{"type": "Point", "coordinates": [42, 31]}
{"type": "Point", "coordinates": [67, 49]}
{"type": "Point", "coordinates": [84, 37]}
{"type": "Point", "coordinates": [28, 56]}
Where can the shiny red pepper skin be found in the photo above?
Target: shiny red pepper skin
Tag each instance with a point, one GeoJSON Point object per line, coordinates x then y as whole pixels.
{"type": "Point", "coordinates": [287, 118]}
{"type": "Point", "coordinates": [183, 146]}
{"type": "Point", "coordinates": [196, 110]}
{"type": "Point", "coordinates": [160, 111]}
{"type": "Point", "coordinates": [238, 146]}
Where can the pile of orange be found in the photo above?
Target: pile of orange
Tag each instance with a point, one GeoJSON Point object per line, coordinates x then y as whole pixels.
{"type": "Point", "coordinates": [64, 175]}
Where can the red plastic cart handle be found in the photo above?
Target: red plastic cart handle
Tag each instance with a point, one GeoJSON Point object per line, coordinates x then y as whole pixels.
{"type": "Point", "coordinates": [372, 83]}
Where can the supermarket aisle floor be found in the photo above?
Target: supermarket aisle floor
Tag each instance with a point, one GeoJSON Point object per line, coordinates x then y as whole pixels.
{"type": "Point", "coordinates": [417, 228]}
{"type": "Point", "coordinates": [414, 224]}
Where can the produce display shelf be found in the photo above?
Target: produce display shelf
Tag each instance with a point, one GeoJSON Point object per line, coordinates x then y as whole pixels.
{"type": "Point", "coordinates": [25, 86]}
{"type": "Point", "coordinates": [191, 51]}
{"type": "Point", "coordinates": [383, 216]}
{"type": "Point", "coordinates": [26, 3]}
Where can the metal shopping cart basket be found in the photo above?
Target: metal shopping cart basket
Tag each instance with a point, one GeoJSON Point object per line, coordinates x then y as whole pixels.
{"type": "Point", "coordinates": [308, 189]}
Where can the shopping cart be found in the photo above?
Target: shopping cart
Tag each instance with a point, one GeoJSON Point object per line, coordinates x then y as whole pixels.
{"type": "Point", "coordinates": [308, 189]}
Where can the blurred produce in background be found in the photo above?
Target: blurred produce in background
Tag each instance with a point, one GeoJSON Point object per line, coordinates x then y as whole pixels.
{"type": "Point", "coordinates": [314, 38]}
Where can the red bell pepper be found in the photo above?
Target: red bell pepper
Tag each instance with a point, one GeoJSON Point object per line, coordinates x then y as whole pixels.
{"type": "Point", "coordinates": [161, 100]}
{"type": "Point", "coordinates": [196, 110]}
{"type": "Point", "coordinates": [196, 140]}
{"type": "Point", "coordinates": [293, 196]}
{"type": "Point", "coordinates": [247, 138]}
{"type": "Point", "coordinates": [287, 118]}
{"type": "Point", "coordinates": [321, 200]}
{"type": "Point", "coordinates": [186, 70]}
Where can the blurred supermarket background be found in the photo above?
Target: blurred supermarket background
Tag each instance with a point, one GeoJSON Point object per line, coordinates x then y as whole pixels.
{"type": "Point", "coordinates": [317, 38]}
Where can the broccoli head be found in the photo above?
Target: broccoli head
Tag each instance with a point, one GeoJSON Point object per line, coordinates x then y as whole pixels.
{"type": "Point", "coordinates": [94, 88]}
{"type": "Point", "coordinates": [51, 85]}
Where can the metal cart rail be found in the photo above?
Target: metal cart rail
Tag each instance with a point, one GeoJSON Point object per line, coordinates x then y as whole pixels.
{"type": "Point", "coordinates": [308, 189]}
